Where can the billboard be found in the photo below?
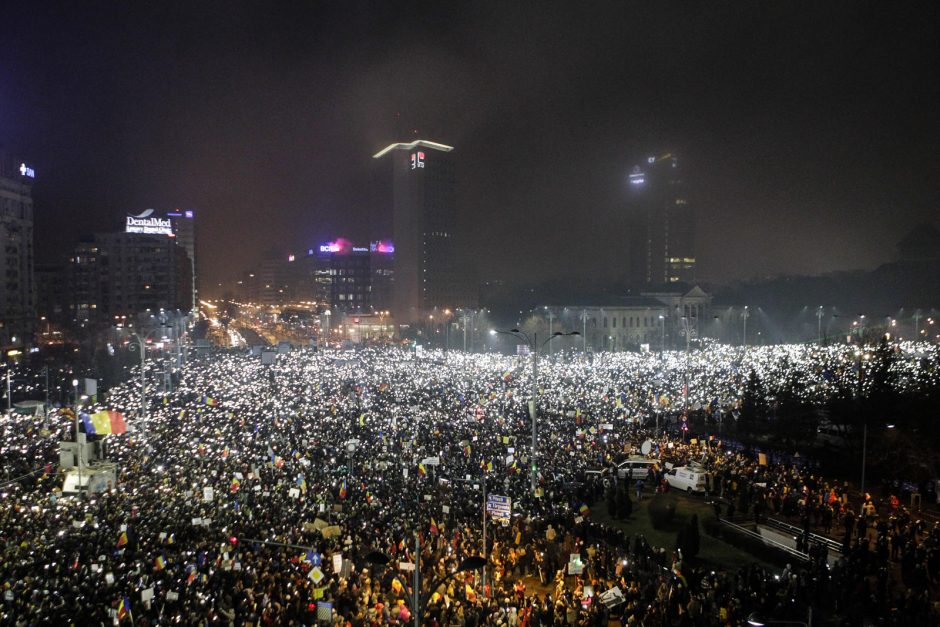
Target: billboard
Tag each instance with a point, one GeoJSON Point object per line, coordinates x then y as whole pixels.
{"type": "Point", "coordinates": [148, 224]}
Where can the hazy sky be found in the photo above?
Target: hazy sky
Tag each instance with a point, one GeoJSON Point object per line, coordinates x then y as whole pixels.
{"type": "Point", "coordinates": [809, 134]}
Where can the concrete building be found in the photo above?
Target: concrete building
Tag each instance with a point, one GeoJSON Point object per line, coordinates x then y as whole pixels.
{"type": "Point", "coordinates": [17, 288]}
{"type": "Point", "coordinates": [662, 237]}
{"type": "Point", "coordinates": [424, 225]}
{"type": "Point", "coordinates": [126, 274]}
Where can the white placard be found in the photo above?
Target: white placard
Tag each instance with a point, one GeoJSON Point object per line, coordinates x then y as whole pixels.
{"type": "Point", "coordinates": [146, 595]}
{"type": "Point", "coordinates": [208, 494]}
{"type": "Point", "coordinates": [172, 596]}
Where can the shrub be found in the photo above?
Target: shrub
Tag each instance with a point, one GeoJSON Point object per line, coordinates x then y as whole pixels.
{"type": "Point", "coordinates": [661, 512]}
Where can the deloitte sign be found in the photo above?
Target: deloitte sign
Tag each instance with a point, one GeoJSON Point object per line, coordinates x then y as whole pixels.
{"type": "Point", "coordinates": [148, 224]}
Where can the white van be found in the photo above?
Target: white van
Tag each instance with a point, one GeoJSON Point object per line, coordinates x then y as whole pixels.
{"type": "Point", "coordinates": [636, 467]}
{"type": "Point", "coordinates": [686, 478]}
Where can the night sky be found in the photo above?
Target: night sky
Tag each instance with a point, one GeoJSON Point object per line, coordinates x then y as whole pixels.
{"type": "Point", "coordinates": [809, 134]}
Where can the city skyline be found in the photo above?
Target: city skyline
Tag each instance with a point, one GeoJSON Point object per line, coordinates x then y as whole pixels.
{"type": "Point", "coordinates": [804, 153]}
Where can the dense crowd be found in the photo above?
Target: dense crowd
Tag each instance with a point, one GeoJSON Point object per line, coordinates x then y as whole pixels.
{"type": "Point", "coordinates": [261, 494]}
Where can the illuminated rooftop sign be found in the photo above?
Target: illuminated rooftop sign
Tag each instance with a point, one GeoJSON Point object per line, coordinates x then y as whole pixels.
{"type": "Point", "coordinates": [27, 171]}
{"type": "Point", "coordinates": [418, 143]}
{"type": "Point", "coordinates": [383, 246]}
{"type": "Point", "coordinates": [146, 224]}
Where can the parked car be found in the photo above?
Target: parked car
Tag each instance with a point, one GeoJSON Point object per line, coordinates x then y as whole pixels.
{"type": "Point", "coordinates": [688, 478]}
{"type": "Point", "coordinates": [636, 467]}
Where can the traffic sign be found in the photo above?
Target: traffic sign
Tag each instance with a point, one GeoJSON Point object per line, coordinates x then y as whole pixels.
{"type": "Point", "coordinates": [499, 507]}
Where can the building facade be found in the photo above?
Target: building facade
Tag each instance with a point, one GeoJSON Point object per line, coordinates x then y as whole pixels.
{"type": "Point", "coordinates": [17, 287]}
{"type": "Point", "coordinates": [115, 275]}
{"type": "Point", "coordinates": [662, 238]}
{"type": "Point", "coordinates": [424, 225]}
{"type": "Point", "coordinates": [347, 277]}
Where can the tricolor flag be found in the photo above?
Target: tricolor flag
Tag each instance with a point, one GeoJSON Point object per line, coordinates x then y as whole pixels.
{"type": "Point", "coordinates": [507, 375]}
{"type": "Point", "coordinates": [422, 471]}
{"type": "Point", "coordinates": [226, 452]}
{"type": "Point", "coordinates": [122, 539]}
{"type": "Point", "coordinates": [208, 400]}
{"type": "Point", "coordinates": [383, 387]}
{"type": "Point", "coordinates": [159, 563]}
{"type": "Point", "coordinates": [235, 484]}
{"type": "Point", "coordinates": [124, 610]}
{"type": "Point", "coordinates": [584, 509]}
{"type": "Point", "coordinates": [342, 490]}
{"type": "Point", "coordinates": [190, 573]}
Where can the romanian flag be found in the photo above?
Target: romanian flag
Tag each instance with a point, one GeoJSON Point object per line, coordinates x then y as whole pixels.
{"type": "Point", "coordinates": [235, 484]}
{"type": "Point", "coordinates": [122, 539]}
{"type": "Point", "coordinates": [383, 387]}
{"type": "Point", "coordinates": [342, 490]}
{"type": "Point", "coordinates": [159, 563]}
{"type": "Point", "coordinates": [507, 375]}
{"type": "Point", "coordinates": [102, 423]}
{"type": "Point", "coordinates": [422, 471]}
{"type": "Point", "coordinates": [124, 610]}
{"type": "Point", "coordinates": [466, 450]}
{"type": "Point", "coordinates": [302, 483]}
{"type": "Point", "coordinates": [190, 573]}
{"type": "Point", "coordinates": [226, 452]}
{"type": "Point", "coordinates": [434, 529]}
{"type": "Point", "coordinates": [278, 461]}
{"type": "Point", "coordinates": [208, 400]}
{"type": "Point", "coordinates": [584, 509]}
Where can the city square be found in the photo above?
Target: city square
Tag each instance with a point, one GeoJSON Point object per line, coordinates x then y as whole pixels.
{"type": "Point", "coordinates": [491, 314]}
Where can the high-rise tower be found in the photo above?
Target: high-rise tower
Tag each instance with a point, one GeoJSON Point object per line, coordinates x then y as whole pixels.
{"type": "Point", "coordinates": [423, 228]}
{"type": "Point", "coordinates": [662, 242]}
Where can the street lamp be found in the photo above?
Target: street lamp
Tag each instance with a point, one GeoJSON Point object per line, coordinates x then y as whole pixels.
{"type": "Point", "coordinates": [744, 316]}
{"type": "Point", "coordinates": [819, 317]}
{"type": "Point", "coordinates": [141, 344]}
{"type": "Point", "coordinates": [662, 323]}
{"type": "Point", "coordinates": [533, 407]}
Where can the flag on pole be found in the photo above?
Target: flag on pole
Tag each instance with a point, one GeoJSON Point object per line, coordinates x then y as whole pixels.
{"type": "Point", "coordinates": [124, 610]}
{"type": "Point", "coordinates": [208, 400]}
{"type": "Point", "coordinates": [159, 563]}
{"type": "Point", "coordinates": [342, 490]}
{"type": "Point", "coordinates": [422, 471]}
{"type": "Point", "coordinates": [122, 539]}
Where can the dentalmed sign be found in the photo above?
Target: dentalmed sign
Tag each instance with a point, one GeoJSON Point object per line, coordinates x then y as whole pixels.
{"type": "Point", "coordinates": [148, 224]}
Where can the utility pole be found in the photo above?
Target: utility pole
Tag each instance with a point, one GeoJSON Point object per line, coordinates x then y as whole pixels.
{"type": "Point", "coordinates": [917, 318]}
{"type": "Point", "coordinates": [9, 390]}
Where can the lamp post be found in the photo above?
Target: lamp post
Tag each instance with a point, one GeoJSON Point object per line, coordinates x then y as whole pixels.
{"type": "Point", "coordinates": [662, 324]}
{"type": "Point", "coordinates": [819, 317]}
{"type": "Point", "coordinates": [860, 357]}
{"type": "Point", "coordinates": [141, 343]}
{"type": "Point", "coordinates": [533, 406]}
{"type": "Point", "coordinates": [744, 316]}
{"type": "Point", "coordinates": [551, 316]}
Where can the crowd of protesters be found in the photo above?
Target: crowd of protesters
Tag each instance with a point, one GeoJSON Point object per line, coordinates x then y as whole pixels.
{"type": "Point", "coordinates": [260, 495]}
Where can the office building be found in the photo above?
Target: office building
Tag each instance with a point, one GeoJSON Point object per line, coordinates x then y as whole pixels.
{"type": "Point", "coordinates": [347, 277]}
{"type": "Point", "coordinates": [17, 288]}
{"type": "Point", "coordinates": [125, 274]}
{"type": "Point", "coordinates": [662, 238]}
{"type": "Point", "coordinates": [179, 225]}
{"type": "Point", "coordinates": [424, 229]}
